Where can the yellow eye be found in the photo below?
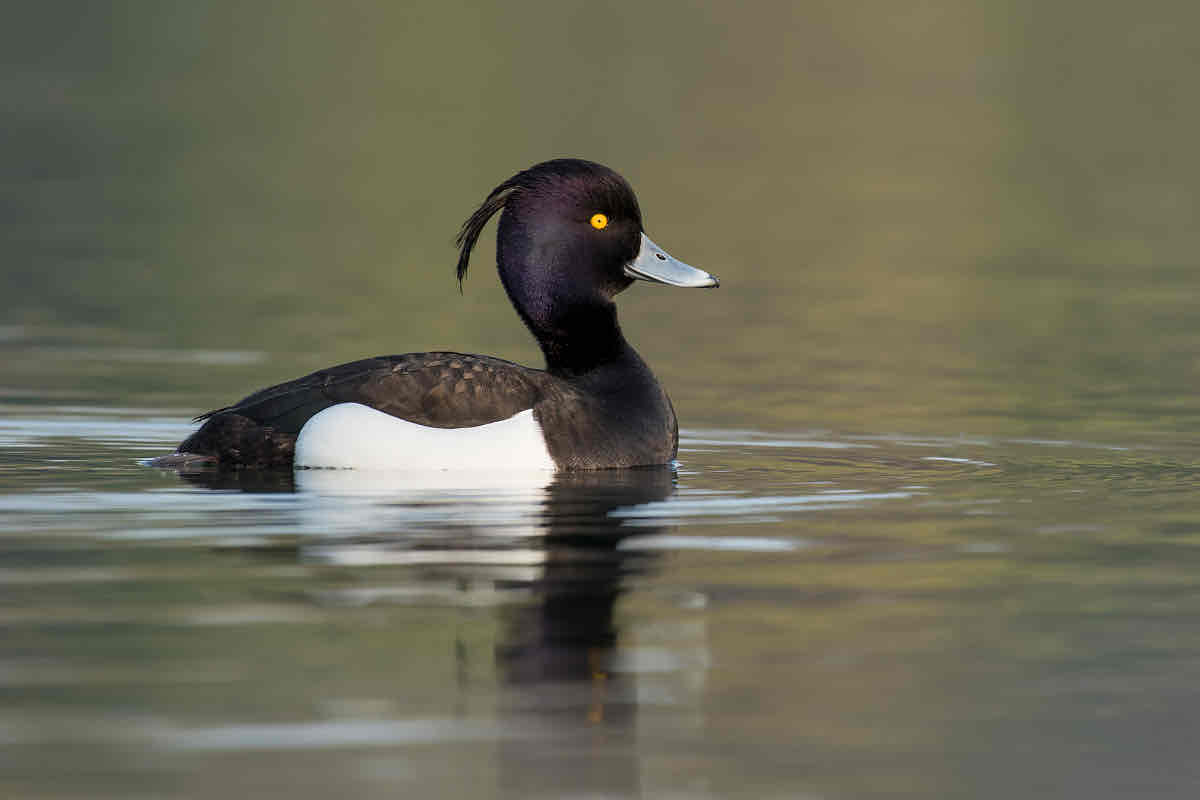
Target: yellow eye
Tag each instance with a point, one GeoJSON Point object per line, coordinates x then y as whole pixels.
{"type": "Point", "coordinates": [599, 221]}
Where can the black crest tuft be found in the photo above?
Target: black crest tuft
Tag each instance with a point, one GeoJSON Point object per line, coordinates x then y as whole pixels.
{"type": "Point", "coordinates": [469, 233]}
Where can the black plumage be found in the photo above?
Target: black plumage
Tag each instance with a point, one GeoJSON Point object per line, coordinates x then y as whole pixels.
{"type": "Point", "coordinates": [597, 402]}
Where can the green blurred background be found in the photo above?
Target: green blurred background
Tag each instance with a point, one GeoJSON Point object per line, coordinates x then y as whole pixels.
{"type": "Point", "coordinates": [926, 216]}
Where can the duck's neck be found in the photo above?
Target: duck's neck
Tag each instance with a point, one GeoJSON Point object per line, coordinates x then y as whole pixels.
{"type": "Point", "coordinates": [569, 313]}
{"type": "Point", "coordinates": [581, 338]}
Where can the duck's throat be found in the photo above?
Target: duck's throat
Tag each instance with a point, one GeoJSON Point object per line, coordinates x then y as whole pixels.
{"type": "Point", "coordinates": [580, 338]}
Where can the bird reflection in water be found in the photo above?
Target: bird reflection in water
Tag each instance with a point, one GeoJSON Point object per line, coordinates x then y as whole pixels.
{"type": "Point", "coordinates": [567, 718]}
{"type": "Point", "coordinates": [556, 654]}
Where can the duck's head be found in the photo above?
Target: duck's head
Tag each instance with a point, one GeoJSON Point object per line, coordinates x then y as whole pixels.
{"type": "Point", "coordinates": [570, 238]}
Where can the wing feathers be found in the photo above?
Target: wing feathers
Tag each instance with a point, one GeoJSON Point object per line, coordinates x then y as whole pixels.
{"type": "Point", "coordinates": [444, 390]}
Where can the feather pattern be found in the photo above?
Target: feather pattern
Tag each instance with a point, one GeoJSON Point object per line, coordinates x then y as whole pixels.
{"type": "Point", "coordinates": [439, 390]}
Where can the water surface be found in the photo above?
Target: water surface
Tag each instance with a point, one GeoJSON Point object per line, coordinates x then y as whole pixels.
{"type": "Point", "coordinates": [810, 614]}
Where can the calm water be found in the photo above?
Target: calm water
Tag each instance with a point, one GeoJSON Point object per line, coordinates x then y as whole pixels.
{"type": "Point", "coordinates": [935, 527]}
{"type": "Point", "coordinates": [790, 615]}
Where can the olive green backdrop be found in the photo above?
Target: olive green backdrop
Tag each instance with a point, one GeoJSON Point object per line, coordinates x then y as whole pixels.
{"type": "Point", "coordinates": [975, 216]}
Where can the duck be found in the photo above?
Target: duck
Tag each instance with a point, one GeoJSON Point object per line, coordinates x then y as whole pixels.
{"type": "Point", "coordinates": [570, 238]}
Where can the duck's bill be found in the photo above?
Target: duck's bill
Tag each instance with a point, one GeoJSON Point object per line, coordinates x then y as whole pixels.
{"type": "Point", "coordinates": [658, 266]}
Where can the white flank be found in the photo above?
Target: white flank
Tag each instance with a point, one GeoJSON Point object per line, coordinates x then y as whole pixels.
{"type": "Point", "coordinates": [354, 436]}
